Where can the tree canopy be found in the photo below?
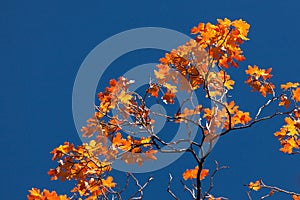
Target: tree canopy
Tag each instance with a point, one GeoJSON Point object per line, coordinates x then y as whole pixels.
{"type": "Point", "coordinates": [123, 128]}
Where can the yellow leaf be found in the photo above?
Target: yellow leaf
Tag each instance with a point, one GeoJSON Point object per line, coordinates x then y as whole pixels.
{"type": "Point", "coordinates": [289, 85]}
{"type": "Point", "coordinates": [124, 97]}
{"type": "Point", "coordinates": [254, 186]}
{"type": "Point", "coordinates": [108, 182]}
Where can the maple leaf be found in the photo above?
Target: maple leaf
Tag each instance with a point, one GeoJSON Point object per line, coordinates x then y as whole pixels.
{"type": "Point", "coordinates": [226, 22]}
{"type": "Point", "coordinates": [257, 73]}
{"type": "Point", "coordinates": [258, 80]}
{"type": "Point", "coordinates": [239, 57]}
{"type": "Point", "coordinates": [223, 40]}
{"type": "Point", "coordinates": [172, 88]}
{"type": "Point", "coordinates": [288, 145]}
{"type": "Point", "coordinates": [61, 150]}
{"type": "Point", "coordinates": [243, 28]}
{"type": "Point", "coordinates": [168, 97]}
{"type": "Point", "coordinates": [254, 186]}
{"type": "Point", "coordinates": [290, 126]}
{"type": "Point", "coordinates": [295, 197]}
{"type": "Point", "coordinates": [228, 83]}
{"type": "Point", "coordinates": [192, 173]}
{"type": "Point", "coordinates": [35, 194]}
{"type": "Point", "coordinates": [133, 158]}
{"type": "Point", "coordinates": [296, 94]}
{"type": "Point", "coordinates": [289, 85]}
{"type": "Point", "coordinates": [149, 155]}
{"type": "Point", "coordinates": [198, 28]}
{"type": "Point", "coordinates": [167, 59]}
{"type": "Point", "coordinates": [287, 148]}
{"type": "Point", "coordinates": [244, 117]}
{"type": "Point", "coordinates": [124, 97]}
{"type": "Point", "coordinates": [108, 182]}
{"type": "Point", "coordinates": [284, 101]}
{"type": "Point", "coordinates": [267, 88]}
{"type": "Point", "coordinates": [121, 142]}
{"type": "Point", "coordinates": [232, 108]}
{"type": "Point", "coordinates": [204, 173]}
{"type": "Point", "coordinates": [281, 133]}
{"type": "Point", "coordinates": [208, 114]}
{"type": "Point", "coordinates": [153, 90]}
{"type": "Point", "coordinates": [163, 71]}
{"type": "Point", "coordinates": [188, 112]}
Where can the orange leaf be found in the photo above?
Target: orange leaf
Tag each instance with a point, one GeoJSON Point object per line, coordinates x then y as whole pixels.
{"type": "Point", "coordinates": [284, 102]}
{"type": "Point", "coordinates": [168, 97]}
{"type": "Point", "coordinates": [35, 194]}
{"type": "Point", "coordinates": [289, 85]}
{"type": "Point", "coordinates": [108, 182]}
{"type": "Point", "coordinates": [153, 90]}
{"type": "Point", "coordinates": [192, 173]}
{"type": "Point", "coordinates": [296, 94]}
{"type": "Point", "coordinates": [254, 186]}
{"type": "Point", "coordinates": [203, 173]}
{"type": "Point", "coordinates": [295, 197]}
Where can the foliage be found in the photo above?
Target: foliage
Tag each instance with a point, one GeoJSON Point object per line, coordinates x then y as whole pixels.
{"type": "Point", "coordinates": [199, 66]}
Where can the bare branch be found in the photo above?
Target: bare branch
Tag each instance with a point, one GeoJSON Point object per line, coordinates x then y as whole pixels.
{"type": "Point", "coordinates": [169, 188]}
{"type": "Point", "coordinates": [186, 188]}
{"type": "Point", "coordinates": [141, 187]}
{"type": "Point", "coordinates": [211, 184]}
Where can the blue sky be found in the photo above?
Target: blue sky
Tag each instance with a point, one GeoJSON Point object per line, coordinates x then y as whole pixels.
{"type": "Point", "coordinates": [43, 44]}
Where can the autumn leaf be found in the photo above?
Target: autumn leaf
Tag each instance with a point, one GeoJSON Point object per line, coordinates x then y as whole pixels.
{"type": "Point", "coordinates": [170, 87]}
{"type": "Point", "coordinates": [162, 72]}
{"type": "Point", "coordinates": [254, 186]}
{"type": "Point", "coordinates": [259, 73]}
{"type": "Point", "coordinates": [108, 182]}
{"type": "Point", "coordinates": [120, 142]}
{"type": "Point", "coordinates": [149, 155]}
{"type": "Point", "coordinates": [153, 90]}
{"type": "Point", "coordinates": [295, 197]}
{"type": "Point", "coordinates": [192, 173]}
{"type": "Point", "coordinates": [204, 173]}
{"type": "Point", "coordinates": [284, 101]}
{"type": "Point", "coordinates": [289, 144]}
{"type": "Point", "coordinates": [124, 97]}
{"type": "Point", "coordinates": [243, 28]}
{"type": "Point", "coordinates": [290, 126]}
{"type": "Point", "coordinates": [296, 95]}
{"type": "Point", "coordinates": [168, 97]}
{"type": "Point", "coordinates": [35, 194]}
{"type": "Point", "coordinates": [198, 28]}
{"type": "Point", "coordinates": [289, 85]}
{"type": "Point", "coordinates": [258, 80]}
{"type": "Point", "coordinates": [226, 22]}
{"type": "Point", "coordinates": [189, 112]}
{"type": "Point", "coordinates": [243, 117]}
{"type": "Point", "coordinates": [228, 83]}
{"type": "Point", "coordinates": [288, 135]}
{"type": "Point", "coordinates": [263, 90]}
